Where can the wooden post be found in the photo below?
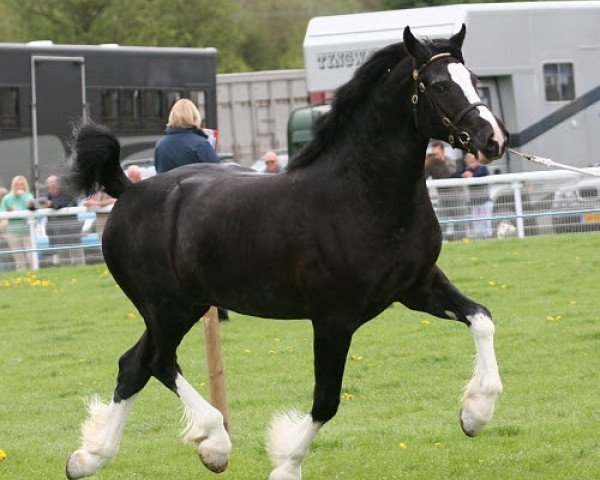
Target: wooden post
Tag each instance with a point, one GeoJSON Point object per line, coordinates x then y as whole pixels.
{"type": "Point", "coordinates": [214, 362]}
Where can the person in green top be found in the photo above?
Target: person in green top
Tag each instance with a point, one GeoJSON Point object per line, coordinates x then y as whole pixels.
{"type": "Point", "coordinates": [17, 231]}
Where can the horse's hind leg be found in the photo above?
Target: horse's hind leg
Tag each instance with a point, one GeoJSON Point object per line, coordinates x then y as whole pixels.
{"type": "Point", "coordinates": [291, 434]}
{"type": "Point", "coordinates": [102, 432]}
{"type": "Point", "coordinates": [204, 423]}
{"type": "Point", "coordinates": [440, 298]}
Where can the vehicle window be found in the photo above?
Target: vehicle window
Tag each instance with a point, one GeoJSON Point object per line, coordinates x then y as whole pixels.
{"type": "Point", "coordinates": [143, 110]}
{"type": "Point", "coordinates": [559, 82]}
{"type": "Point", "coordinates": [486, 96]}
{"type": "Point", "coordinates": [9, 108]}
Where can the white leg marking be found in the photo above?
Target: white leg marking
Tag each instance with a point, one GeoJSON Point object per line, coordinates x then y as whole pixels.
{"type": "Point", "coordinates": [461, 76]}
{"type": "Point", "coordinates": [481, 393]}
{"type": "Point", "coordinates": [204, 427]}
{"type": "Point", "coordinates": [100, 437]}
{"type": "Point", "coordinates": [288, 440]}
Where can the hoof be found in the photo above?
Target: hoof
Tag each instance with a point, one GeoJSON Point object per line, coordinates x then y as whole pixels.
{"type": "Point", "coordinates": [215, 467]}
{"type": "Point", "coordinates": [216, 460]}
{"type": "Point", "coordinates": [82, 464]}
{"type": "Point", "coordinates": [286, 473]}
{"type": "Point", "coordinates": [470, 425]}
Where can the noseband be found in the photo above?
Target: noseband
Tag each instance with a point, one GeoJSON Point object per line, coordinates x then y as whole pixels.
{"type": "Point", "coordinates": [455, 133]}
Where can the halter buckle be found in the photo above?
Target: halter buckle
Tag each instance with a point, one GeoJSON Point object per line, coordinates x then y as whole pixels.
{"type": "Point", "coordinates": [422, 87]}
{"type": "Point", "coordinates": [414, 99]}
{"type": "Point", "coordinates": [451, 139]}
{"type": "Point", "coordinates": [464, 138]}
{"type": "Point", "coordinates": [446, 121]}
{"type": "Point", "coordinates": [415, 74]}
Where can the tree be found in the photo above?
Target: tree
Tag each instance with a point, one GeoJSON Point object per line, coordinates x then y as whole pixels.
{"type": "Point", "coordinates": [248, 34]}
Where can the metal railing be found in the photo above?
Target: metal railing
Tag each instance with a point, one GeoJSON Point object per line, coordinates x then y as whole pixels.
{"type": "Point", "coordinates": [497, 206]}
{"type": "Point", "coordinates": [518, 204]}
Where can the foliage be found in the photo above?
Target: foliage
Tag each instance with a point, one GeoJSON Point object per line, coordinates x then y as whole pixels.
{"type": "Point", "coordinates": [249, 34]}
{"type": "Point", "coordinates": [63, 330]}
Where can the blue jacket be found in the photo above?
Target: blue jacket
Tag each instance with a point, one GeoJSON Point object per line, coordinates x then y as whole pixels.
{"type": "Point", "coordinates": [181, 146]}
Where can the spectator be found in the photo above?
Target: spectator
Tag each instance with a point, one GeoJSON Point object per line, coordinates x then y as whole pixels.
{"type": "Point", "coordinates": [437, 165]}
{"type": "Point", "coordinates": [451, 204]}
{"type": "Point", "coordinates": [17, 229]}
{"type": "Point", "coordinates": [134, 173]}
{"type": "Point", "coordinates": [63, 230]}
{"type": "Point", "coordinates": [271, 162]}
{"type": "Point", "coordinates": [479, 198]}
{"type": "Point", "coordinates": [183, 142]}
{"type": "Point", "coordinates": [440, 160]}
{"type": "Point", "coordinates": [100, 200]}
{"type": "Point", "coordinates": [4, 265]}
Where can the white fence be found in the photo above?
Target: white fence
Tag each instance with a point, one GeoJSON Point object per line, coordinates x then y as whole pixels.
{"type": "Point", "coordinates": [527, 204]}
{"type": "Point", "coordinates": [517, 204]}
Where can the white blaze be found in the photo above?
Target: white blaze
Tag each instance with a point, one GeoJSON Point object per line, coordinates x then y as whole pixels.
{"type": "Point", "coordinates": [461, 76]}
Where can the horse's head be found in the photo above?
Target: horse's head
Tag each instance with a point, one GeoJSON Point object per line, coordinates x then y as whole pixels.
{"type": "Point", "coordinates": [445, 101]}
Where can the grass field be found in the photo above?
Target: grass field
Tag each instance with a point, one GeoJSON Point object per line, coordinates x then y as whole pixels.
{"type": "Point", "coordinates": [62, 331]}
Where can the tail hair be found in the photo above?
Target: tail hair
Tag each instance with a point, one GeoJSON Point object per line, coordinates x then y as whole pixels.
{"type": "Point", "coordinates": [94, 162]}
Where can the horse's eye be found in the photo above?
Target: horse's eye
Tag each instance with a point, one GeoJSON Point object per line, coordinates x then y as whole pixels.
{"type": "Point", "coordinates": [437, 87]}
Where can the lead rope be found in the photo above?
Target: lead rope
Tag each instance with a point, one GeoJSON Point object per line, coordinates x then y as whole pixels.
{"type": "Point", "coordinates": [551, 163]}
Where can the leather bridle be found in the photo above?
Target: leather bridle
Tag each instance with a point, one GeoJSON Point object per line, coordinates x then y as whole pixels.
{"type": "Point", "coordinates": [455, 133]}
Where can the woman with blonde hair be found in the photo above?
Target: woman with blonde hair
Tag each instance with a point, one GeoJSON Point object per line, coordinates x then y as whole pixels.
{"type": "Point", "coordinates": [17, 231]}
{"type": "Point", "coordinates": [183, 142]}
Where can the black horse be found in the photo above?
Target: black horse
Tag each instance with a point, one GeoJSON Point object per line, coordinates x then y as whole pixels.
{"type": "Point", "coordinates": [346, 230]}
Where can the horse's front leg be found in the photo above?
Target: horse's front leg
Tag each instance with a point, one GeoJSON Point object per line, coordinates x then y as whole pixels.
{"type": "Point", "coordinates": [482, 391]}
{"type": "Point", "coordinates": [291, 434]}
{"type": "Point", "coordinates": [440, 298]}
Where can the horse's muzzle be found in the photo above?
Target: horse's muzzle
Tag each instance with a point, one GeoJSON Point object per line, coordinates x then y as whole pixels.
{"type": "Point", "coordinates": [494, 148]}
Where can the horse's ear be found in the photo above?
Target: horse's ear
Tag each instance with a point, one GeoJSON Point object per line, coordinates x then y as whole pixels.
{"type": "Point", "coordinates": [457, 39]}
{"type": "Point", "coordinates": [414, 47]}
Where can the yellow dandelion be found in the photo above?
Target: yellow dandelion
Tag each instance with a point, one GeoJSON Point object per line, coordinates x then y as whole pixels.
{"type": "Point", "coordinates": [347, 396]}
{"type": "Point", "coordinates": [425, 322]}
{"type": "Point", "coordinates": [438, 445]}
{"type": "Point", "coordinates": [131, 315]}
{"type": "Point", "coordinates": [3, 455]}
{"type": "Point", "coordinates": [45, 283]}
{"type": "Point", "coordinates": [466, 240]}
{"type": "Point", "coordinates": [357, 358]}
{"type": "Point", "coordinates": [554, 318]}
{"type": "Point", "coordinates": [503, 285]}
{"type": "Point", "coordinates": [491, 283]}
{"type": "Point", "coordinates": [276, 340]}
{"type": "Point", "coordinates": [247, 350]}
{"type": "Point", "coordinates": [73, 281]}
{"type": "Point", "coordinates": [202, 384]}
{"type": "Point", "coordinates": [572, 302]}
{"type": "Point", "coordinates": [271, 352]}
{"type": "Point", "coordinates": [402, 445]}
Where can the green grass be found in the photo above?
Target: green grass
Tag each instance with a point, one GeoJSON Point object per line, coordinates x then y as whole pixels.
{"type": "Point", "coordinates": [60, 341]}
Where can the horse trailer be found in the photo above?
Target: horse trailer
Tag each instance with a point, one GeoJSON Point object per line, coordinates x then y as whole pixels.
{"type": "Point", "coordinates": [45, 89]}
{"type": "Point", "coordinates": [537, 65]}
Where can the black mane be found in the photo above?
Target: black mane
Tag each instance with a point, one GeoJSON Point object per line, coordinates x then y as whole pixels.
{"type": "Point", "coordinates": [354, 93]}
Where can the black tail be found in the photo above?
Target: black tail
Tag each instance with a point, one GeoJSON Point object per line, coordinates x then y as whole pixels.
{"type": "Point", "coordinates": [94, 163]}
